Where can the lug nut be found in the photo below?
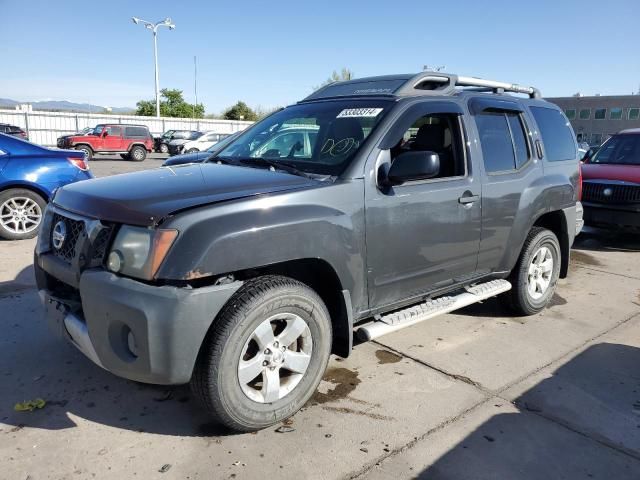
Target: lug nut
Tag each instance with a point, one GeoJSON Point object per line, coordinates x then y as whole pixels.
{"type": "Point", "coordinates": [267, 351]}
{"type": "Point", "coordinates": [265, 363]}
{"type": "Point", "coordinates": [275, 344]}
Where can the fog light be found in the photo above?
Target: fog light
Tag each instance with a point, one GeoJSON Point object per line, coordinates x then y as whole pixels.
{"type": "Point", "coordinates": [131, 343]}
{"type": "Point", "coordinates": [114, 262]}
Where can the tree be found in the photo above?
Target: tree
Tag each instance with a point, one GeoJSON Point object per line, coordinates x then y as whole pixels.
{"type": "Point", "coordinates": [345, 74]}
{"type": "Point", "coordinates": [172, 104]}
{"type": "Point", "coordinates": [240, 111]}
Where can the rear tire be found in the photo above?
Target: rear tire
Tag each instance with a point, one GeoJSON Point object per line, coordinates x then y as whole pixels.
{"type": "Point", "coordinates": [536, 274]}
{"type": "Point", "coordinates": [243, 376]}
{"type": "Point", "coordinates": [21, 213]}
{"type": "Point", "coordinates": [88, 151]}
{"type": "Point", "coordinates": [137, 153]}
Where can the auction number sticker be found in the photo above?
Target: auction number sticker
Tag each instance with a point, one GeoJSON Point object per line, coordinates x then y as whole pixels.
{"type": "Point", "coordinates": [359, 113]}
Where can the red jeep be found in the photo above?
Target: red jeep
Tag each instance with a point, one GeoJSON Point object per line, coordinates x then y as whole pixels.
{"type": "Point", "coordinates": [132, 142]}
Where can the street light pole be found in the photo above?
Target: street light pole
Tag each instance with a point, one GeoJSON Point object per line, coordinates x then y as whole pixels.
{"type": "Point", "coordinates": [155, 61]}
{"type": "Point", "coordinates": [154, 28]}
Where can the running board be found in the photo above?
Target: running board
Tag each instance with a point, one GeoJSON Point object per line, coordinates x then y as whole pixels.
{"type": "Point", "coordinates": [431, 308]}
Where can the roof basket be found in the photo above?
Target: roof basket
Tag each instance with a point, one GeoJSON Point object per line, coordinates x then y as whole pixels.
{"type": "Point", "coordinates": [445, 84]}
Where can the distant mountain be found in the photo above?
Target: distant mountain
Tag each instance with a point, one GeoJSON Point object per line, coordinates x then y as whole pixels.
{"type": "Point", "coordinates": [64, 106]}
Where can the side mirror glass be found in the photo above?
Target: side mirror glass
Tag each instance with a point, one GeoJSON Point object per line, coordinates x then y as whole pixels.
{"type": "Point", "coordinates": [418, 165]}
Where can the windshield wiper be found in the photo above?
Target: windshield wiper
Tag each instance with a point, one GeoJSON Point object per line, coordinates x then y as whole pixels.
{"type": "Point", "coordinates": [276, 165]}
{"type": "Point", "coordinates": [226, 160]}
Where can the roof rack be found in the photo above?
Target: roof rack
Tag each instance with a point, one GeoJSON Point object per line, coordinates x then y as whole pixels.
{"type": "Point", "coordinates": [424, 83]}
{"type": "Point", "coordinates": [445, 83]}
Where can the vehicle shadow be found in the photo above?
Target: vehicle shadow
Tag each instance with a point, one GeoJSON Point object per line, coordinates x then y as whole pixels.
{"type": "Point", "coordinates": [581, 422]}
{"type": "Point", "coordinates": [34, 363]}
{"type": "Point", "coordinates": [598, 239]}
{"type": "Point", "coordinates": [24, 280]}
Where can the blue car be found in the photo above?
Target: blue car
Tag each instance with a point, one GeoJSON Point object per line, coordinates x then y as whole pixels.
{"type": "Point", "coordinates": [29, 174]}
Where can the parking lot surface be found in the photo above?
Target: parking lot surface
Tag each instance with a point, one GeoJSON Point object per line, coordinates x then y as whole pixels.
{"type": "Point", "coordinates": [471, 395]}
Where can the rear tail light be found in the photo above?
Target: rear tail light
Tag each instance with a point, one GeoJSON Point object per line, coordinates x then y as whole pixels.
{"type": "Point", "coordinates": [579, 186]}
{"type": "Point", "coordinates": [80, 163]}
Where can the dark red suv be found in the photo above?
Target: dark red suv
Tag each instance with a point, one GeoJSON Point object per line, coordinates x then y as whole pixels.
{"type": "Point", "coordinates": [132, 142]}
{"type": "Point", "coordinates": [611, 182]}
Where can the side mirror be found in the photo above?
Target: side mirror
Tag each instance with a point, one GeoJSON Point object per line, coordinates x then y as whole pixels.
{"type": "Point", "coordinates": [105, 133]}
{"type": "Point", "coordinates": [416, 165]}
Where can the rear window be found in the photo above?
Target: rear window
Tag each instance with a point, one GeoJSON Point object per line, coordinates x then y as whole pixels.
{"type": "Point", "coordinates": [138, 132]}
{"type": "Point", "coordinates": [557, 136]}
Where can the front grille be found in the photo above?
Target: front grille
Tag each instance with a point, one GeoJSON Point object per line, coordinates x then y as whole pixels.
{"type": "Point", "coordinates": [74, 230]}
{"type": "Point", "coordinates": [610, 193]}
{"type": "Point", "coordinates": [101, 243]}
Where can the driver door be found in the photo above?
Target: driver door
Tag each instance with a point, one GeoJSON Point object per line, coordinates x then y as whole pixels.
{"type": "Point", "coordinates": [422, 235]}
{"type": "Point", "coordinates": [112, 139]}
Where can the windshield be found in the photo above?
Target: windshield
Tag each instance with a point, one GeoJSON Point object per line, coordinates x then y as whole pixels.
{"type": "Point", "coordinates": [320, 138]}
{"type": "Point", "coordinates": [619, 149]}
{"type": "Point", "coordinates": [97, 130]}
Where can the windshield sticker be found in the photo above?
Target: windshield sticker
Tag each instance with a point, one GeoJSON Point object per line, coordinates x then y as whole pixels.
{"type": "Point", "coordinates": [359, 113]}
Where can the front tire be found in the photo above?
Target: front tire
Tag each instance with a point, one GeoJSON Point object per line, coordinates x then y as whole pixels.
{"type": "Point", "coordinates": [87, 150]}
{"type": "Point", "coordinates": [164, 148]}
{"type": "Point", "coordinates": [265, 354]}
{"type": "Point", "coordinates": [137, 153]}
{"type": "Point", "coordinates": [21, 213]}
{"type": "Point", "coordinates": [536, 274]}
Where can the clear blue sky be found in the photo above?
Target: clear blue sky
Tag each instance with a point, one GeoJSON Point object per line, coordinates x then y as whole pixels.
{"type": "Point", "coordinates": [272, 53]}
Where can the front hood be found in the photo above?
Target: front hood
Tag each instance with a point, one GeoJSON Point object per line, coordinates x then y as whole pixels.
{"type": "Point", "coordinates": [603, 171]}
{"type": "Point", "coordinates": [143, 198]}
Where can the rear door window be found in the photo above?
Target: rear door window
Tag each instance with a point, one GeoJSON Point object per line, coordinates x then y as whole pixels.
{"type": "Point", "coordinates": [496, 143]}
{"type": "Point", "coordinates": [556, 132]}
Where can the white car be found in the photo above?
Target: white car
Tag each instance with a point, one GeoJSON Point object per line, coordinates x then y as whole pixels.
{"type": "Point", "coordinates": [204, 142]}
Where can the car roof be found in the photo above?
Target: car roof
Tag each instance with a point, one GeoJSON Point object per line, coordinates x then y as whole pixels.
{"type": "Point", "coordinates": [418, 84]}
{"type": "Point", "coordinates": [629, 131]}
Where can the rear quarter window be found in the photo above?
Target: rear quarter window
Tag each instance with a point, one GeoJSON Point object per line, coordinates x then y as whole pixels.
{"type": "Point", "coordinates": [136, 132]}
{"type": "Point", "coordinates": [556, 132]}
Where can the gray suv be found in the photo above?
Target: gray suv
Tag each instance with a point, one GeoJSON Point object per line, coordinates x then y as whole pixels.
{"type": "Point", "coordinates": [365, 208]}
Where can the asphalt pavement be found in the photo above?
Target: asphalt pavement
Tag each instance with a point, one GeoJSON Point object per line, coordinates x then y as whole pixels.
{"type": "Point", "coordinates": [477, 394]}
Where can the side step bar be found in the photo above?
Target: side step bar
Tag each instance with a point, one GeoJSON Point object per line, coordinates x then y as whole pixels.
{"type": "Point", "coordinates": [429, 309]}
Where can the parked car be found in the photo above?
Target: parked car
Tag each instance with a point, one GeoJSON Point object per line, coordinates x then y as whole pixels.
{"type": "Point", "coordinates": [13, 130]}
{"type": "Point", "coordinates": [611, 188]}
{"type": "Point", "coordinates": [203, 142]}
{"type": "Point", "coordinates": [198, 157]}
{"type": "Point", "coordinates": [29, 174]}
{"type": "Point", "coordinates": [408, 196]}
{"type": "Point", "coordinates": [177, 143]}
{"type": "Point", "coordinates": [161, 144]}
{"type": "Point", "coordinates": [132, 142]}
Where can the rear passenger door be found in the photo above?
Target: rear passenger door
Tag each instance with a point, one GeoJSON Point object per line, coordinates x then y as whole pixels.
{"type": "Point", "coordinates": [510, 194]}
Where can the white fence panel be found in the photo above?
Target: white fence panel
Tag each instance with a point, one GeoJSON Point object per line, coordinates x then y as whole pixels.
{"type": "Point", "coordinates": [45, 127]}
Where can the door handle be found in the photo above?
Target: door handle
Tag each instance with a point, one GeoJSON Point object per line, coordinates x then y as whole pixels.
{"type": "Point", "coordinates": [468, 198]}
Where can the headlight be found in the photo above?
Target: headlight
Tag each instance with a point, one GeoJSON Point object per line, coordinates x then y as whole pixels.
{"type": "Point", "coordinates": [138, 252]}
